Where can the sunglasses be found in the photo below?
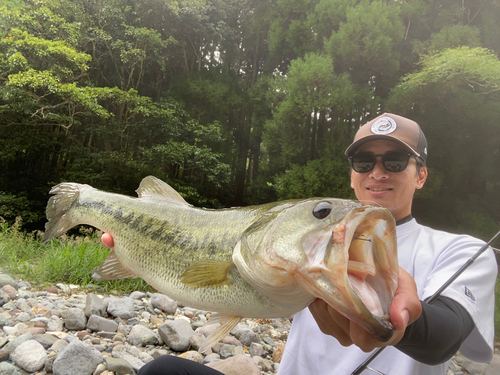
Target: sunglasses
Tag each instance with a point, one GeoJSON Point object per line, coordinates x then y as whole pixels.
{"type": "Point", "coordinates": [393, 161]}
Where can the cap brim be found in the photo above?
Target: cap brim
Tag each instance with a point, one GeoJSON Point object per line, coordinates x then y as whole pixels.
{"type": "Point", "coordinates": [354, 146]}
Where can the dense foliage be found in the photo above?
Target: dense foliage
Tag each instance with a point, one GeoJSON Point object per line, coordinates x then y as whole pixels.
{"type": "Point", "coordinates": [241, 102]}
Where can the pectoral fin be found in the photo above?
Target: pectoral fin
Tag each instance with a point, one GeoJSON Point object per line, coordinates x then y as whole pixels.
{"type": "Point", "coordinates": [227, 323]}
{"type": "Point", "coordinates": [207, 273]}
{"type": "Point", "coordinates": [111, 269]}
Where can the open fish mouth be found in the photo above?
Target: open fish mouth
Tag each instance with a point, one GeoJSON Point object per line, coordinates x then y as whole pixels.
{"type": "Point", "coordinates": [359, 271]}
{"type": "Point", "coordinates": [372, 266]}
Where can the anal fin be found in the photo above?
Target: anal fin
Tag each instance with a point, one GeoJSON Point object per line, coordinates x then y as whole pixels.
{"type": "Point", "coordinates": [227, 323]}
{"type": "Point", "coordinates": [111, 269]}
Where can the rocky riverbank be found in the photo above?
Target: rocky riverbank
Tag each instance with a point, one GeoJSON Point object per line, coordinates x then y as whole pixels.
{"type": "Point", "coordinates": [68, 330]}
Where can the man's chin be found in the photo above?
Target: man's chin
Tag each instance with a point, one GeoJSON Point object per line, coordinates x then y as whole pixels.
{"type": "Point", "coordinates": [375, 201]}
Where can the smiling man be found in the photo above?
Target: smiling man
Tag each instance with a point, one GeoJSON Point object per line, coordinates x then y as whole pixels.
{"type": "Point", "coordinates": [388, 164]}
{"type": "Point", "coordinates": [402, 149]}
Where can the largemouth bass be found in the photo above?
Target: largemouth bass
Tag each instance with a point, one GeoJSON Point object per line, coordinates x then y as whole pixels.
{"type": "Point", "coordinates": [264, 261]}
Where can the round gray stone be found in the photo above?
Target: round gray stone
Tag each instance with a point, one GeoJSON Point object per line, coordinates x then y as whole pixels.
{"type": "Point", "coordinates": [55, 324]}
{"type": "Point", "coordinates": [24, 294]}
{"type": "Point", "coordinates": [175, 334]}
{"type": "Point", "coordinates": [9, 369]}
{"type": "Point", "coordinates": [77, 359]}
{"type": "Point", "coordinates": [142, 336]}
{"type": "Point", "coordinates": [247, 337]}
{"type": "Point", "coordinates": [94, 306]}
{"type": "Point", "coordinates": [226, 350]}
{"type": "Point", "coordinates": [23, 317]}
{"type": "Point", "coordinates": [119, 366]}
{"type": "Point", "coordinates": [7, 280]}
{"type": "Point", "coordinates": [121, 307]}
{"type": "Point", "coordinates": [137, 295]}
{"type": "Point", "coordinates": [10, 291]}
{"type": "Point", "coordinates": [98, 323]}
{"type": "Point", "coordinates": [256, 349]}
{"type": "Point", "coordinates": [30, 356]}
{"type": "Point", "coordinates": [240, 364]}
{"type": "Point", "coordinates": [164, 303]}
{"type": "Point", "coordinates": [75, 319]}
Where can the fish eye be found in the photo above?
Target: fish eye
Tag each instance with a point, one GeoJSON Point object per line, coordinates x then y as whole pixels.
{"type": "Point", "coordinates": [322, 210]}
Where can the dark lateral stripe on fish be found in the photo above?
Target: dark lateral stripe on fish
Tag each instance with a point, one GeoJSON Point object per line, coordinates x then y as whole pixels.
{"type": "Point", "coordinates": [156, 230]}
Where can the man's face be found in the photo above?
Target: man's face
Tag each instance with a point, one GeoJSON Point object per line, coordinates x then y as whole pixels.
{"type": "Point", "coordinates": [393, 191]}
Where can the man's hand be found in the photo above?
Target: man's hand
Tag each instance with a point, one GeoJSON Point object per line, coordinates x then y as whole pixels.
{"type": "Point", "coordinates": [107, 240]}
{"type": "Point", "coordinates": [405, 309]}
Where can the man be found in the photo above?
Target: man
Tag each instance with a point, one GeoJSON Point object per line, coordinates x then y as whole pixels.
{"type": "Point", "coordinates": [388, 163]}
{"type": "Point", "coordinates": [388, 160]}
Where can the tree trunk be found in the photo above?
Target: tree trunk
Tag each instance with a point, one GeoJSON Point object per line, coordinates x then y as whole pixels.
{"type": "Point", "coordinates": [241, 162]}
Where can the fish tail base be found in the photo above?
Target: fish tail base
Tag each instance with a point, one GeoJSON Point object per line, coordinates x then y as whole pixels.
{"type": "Point", "coordinates": [59, 209]}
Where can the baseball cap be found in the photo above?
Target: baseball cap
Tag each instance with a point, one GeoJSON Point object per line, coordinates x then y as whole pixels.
{"type": "Point", "coordinates": [395, 128]}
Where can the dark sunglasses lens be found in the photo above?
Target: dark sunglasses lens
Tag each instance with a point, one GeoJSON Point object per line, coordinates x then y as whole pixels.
{"type": "Point", "coordinates": [395, 161]}
{"type": "Point", "coordinates": [363, 163]}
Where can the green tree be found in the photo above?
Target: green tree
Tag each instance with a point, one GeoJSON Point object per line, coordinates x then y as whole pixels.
{"type": "Point", "coordinates": [306, 117]}
{"type": "Point", "coordinates": [365, 44]}
{"type": "Point", "coordinates": [455, 99]}
{"type": "Point", "coordinates": [57, 123]}
{"type": "Point", "coordinates": [327, 176]}
{"type": "Point", "coordinates": [243, 101]}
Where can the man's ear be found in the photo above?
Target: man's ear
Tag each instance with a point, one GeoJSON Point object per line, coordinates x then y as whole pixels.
{"type": "Point", "coordinates": [421, 178]}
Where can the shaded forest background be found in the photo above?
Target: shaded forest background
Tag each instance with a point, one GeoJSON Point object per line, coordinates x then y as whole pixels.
{"type": "Point", "coordinates": [239, 102]}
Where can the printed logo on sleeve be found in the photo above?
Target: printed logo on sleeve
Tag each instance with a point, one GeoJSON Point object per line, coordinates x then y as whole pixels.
{"type": "Point", "coordinates": [469, 294]}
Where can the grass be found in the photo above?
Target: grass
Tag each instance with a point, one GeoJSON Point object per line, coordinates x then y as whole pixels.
{"type": "Point", "coordinates": [71, 259]}
{"type": "Point", "coordinates": [67, 260]}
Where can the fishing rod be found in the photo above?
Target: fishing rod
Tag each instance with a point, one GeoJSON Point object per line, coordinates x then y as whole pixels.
{"type": "Point", "coordinates": [434, 297]}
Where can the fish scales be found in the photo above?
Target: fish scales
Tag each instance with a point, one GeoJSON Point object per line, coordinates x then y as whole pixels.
{"type": "Point", "coordinates": [162, 236]}
{"type": "Point", "coordinates": [264, 261]}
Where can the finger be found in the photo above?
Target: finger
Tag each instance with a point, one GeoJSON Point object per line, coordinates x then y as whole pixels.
{"type": "Point", "coordinates": [366, 342]}
{"type": "Point", "coordinates": [405, 307]}
{"type": "Point", "coordinates": [330, 322]}
{"type": "Point", "coordinates": [362, 339]}
{"type": "Point", "coordinates": [107, 240]}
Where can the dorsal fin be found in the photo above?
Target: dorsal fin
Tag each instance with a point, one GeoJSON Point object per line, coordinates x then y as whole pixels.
{"type": "Point", "coordinates": [152, 187]}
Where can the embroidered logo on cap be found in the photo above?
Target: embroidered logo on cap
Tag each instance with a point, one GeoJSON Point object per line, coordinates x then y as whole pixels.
{"type": "Point", "coordinates": [384, 125]}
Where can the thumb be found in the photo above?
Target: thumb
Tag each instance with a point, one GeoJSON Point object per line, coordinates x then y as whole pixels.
{"type": "Point", "coordinates": [406, 306]}
{"type": "Point", "coordinates": [107, 240]}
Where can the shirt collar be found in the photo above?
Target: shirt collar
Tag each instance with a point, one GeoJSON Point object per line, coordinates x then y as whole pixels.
{"type": "Point", "coordinates": [404, 220]}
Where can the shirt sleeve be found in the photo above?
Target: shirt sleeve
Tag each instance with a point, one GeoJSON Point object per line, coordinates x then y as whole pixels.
{"type": "Point", "coordinates": [438, 333]}
{"type": "Point", "coordinates": [474, 289]}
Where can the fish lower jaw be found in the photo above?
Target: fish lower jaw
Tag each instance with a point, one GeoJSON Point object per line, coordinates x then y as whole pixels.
{"type": "Point", "coordinates": [367, 295]}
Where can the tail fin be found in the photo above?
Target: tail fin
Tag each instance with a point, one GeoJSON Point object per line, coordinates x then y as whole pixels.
{"type": "Point", "coordinates": [59, 209]}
